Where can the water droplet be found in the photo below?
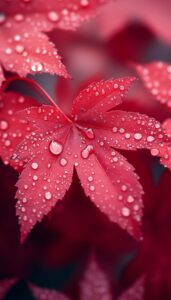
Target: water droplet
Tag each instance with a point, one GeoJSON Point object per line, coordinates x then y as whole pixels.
{"type": "Point", "coordinates": [19, 49]}
{"type": "Point", "coordinates": [84, 3]}
{"type": "Point", "coordinates": [3, 125]}
{"type": "Point", "coordinates": [138, 136]}
{"type": "Point", "coordinates": [125, 211]}
{"type": "Point", "coordinates": [123, 187]}
{"type": "Point", "coordinates": [7, 143]}
{"type": "Point", "coordinates": [92, 188]}
{"type": "Point", "coordinates": [150, 138]}
{"type": "Point", "coordinates": [154, 152]}
{"type": "Point", "coordinates": [8, 50]}
{"type": "Point", "coordinates": [37, 67]}
{"type": "Point", "coordinates": [90, 133]}
{"type": "Point", "coordinates": [130, 199]}
{"type": "Point", "coordinates": [35, 177]}
{"type": "Point", "coordinates": [53, 16]}
{"type": "Point", "coordinates": [63, 162]}
{"type": "Point", "coordinates": [48, 195]}
{"type": "Point", "coordinates": [34, 165]}
{"type": "Point", "coordinates": [87, 151]}
{"type": "Point", "coordinates": [90, 178]}
{"type": "Point", "coordinates": [55, 148]}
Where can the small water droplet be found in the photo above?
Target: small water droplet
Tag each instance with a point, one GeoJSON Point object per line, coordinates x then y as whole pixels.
{"type": "Point", "coordinates": [3, 125]}
{"type": "Point", "coordinates": [55, 148]}
{"type": "Point", "coordinates": [7, 143]}
{"type": "Point", "coordinates": [48, 195]}
{"type": "Point", "coordinates": [35, 177]}
{"type": "Point", "coordinates": [90, 178]}
{"type": "Point", "coordinates": [34, 165]}
{"type": "Point", "coordinates": [37, 67]}
{"type": "Point", "coordinates": [53, 16]}
{"type": "Point", "coordinates": [19, 49]}
{"type": "Point", "coordinates": [125, 211]}
{"type": "Point", "coordinates": [130, 199]}
{"type": "Point", "coordinates": [90, 133]}
{"type": "Point", "coordinates": [63, 162]}
{"type": "Point", "coordinates": [92, 188]}
{"type": "Point", "coordinates": [150, 138]}
{"type": "Point", "coordinates": [87, 151]}
{"type": "Point", "coordinates": [138, 136]}
{"type": "Point", "coordinates": [154, 152]}
{"type": "Point", "coordinates": [84, 3]}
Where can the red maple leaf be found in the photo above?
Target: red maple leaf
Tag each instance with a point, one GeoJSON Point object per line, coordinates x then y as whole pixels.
{"type": "Point", "coordinates": [85, 141]}
{"type": "Point", "coordinates": [155, 14]}
{"type": "Point", "coordinates": [156, 77]}
{"type": "Point", "coordinates": [25, 48]}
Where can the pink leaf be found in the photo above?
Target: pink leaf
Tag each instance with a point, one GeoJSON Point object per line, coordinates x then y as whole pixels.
{"type": "Point", "coordinates": [25, 48]}
{"type": "Point", "coordinates": [46, 294]}
{"type": "Point", "coordinates": [58, 143]}
{"type": "Point", "coordinates": [13, 128]}
{"type": "Point", "coordinates": [135, 292]}
{"type": "Point", "coordinates": [5, 286]}
{"type": "Point", "coordinates": [152, 13]}
{"type": "Point", "coordinates": [157, 79]}
{"type": "Point", "coordinates": [95, 284]}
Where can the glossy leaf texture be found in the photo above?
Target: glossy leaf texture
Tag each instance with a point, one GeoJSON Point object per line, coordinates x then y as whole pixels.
{"type": "Point", "coordinates": [25, 48]}
{"type": "Point", "coordinates": [5, 286]}
{"type": "Point", "coordinates": [85, 141]}
{"type": "Point", "coordinates": [135, 292]}
{"type": "Point", "coordinates": [46, 294]}
{"type": "Point", "coordinates": [95, 284]}
{"type": "Point", "coordinates": [154, 14]}
{"type": "Point", "coordinates": [156, 77]}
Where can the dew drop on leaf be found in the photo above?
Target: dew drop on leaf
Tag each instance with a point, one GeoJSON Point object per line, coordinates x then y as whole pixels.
{"type": "Point", "coordinates": [90, 133]}
{"type": "Point", "coordinates": [48, 195]}
{"type": "Point", "coordinates": [125, 211]}
{"type": "Point", "coordinates": [63, 162]}
{"type": "Point", "coordinates": [138, 136]}
{"type": "Point", "coordinates": [3, 125]}
{"type": "Point", "coordinates": [87, 151]}
{"type": "Point", "coordinates": [154, 152]}
{"type": "Point", "coordinates": [53, 16]}
{"type": "Point", "coordinates": [34, 165]}
{"type": "Point", "coordinates": [55, 148]}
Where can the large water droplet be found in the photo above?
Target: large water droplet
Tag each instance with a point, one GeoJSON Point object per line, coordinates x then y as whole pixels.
{"type": "Point", "coordinates": [87, 151]}
{"type": "Point", "coordinates": [55, 148]}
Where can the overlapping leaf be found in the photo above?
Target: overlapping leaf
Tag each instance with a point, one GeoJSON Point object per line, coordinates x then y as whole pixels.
{"type": "Point", "coordinates": [85, 141]}
{"type": "Point", "coordinates": [25, 48]}
{"type": "Point", "coordinates": [157, 79]}
{"type": "Point", "coordinates": [155, 14]}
